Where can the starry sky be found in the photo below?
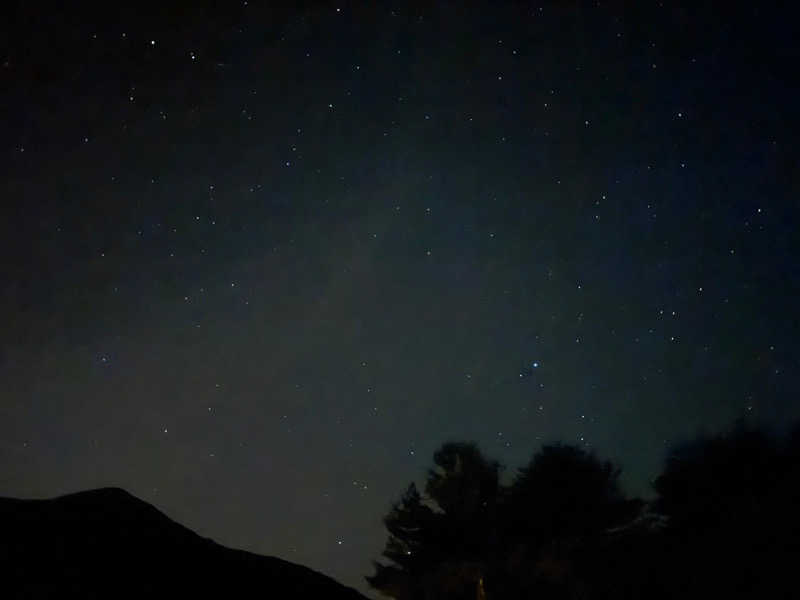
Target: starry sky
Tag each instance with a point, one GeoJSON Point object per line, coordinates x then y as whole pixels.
{"type": "Point", "coordinates": [259, 262]}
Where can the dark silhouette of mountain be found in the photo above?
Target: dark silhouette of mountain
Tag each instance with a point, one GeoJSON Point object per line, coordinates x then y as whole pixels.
{"type": "Point", "coordinates": [106, 543]}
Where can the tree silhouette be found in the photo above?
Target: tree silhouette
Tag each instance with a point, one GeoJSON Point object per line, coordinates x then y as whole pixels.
{"type": "Point", "coordinates": [557, 504]}
{"type": "Point", "coordinates": [712, 481]}
{"type": "Point", "coordinates": [727, 509]}
{"type": "Point", "coordinates": [725, 523]}
{"type": "Point", "coordinates": [473, 538]}
{"type": "Point", "coordinates": [731, 504]}
{"type": "Point", "coordinates": [465, 485]}
{"type": "Point", "coordinates": [413, 547]}
{"type": "Point", "coordinates": [440, 547]}
{"type": "Point", "coordinates": [566, 491]}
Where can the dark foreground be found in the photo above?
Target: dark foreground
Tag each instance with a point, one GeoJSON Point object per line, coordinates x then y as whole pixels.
{"type": "Point", "coordinates": [106, 543]}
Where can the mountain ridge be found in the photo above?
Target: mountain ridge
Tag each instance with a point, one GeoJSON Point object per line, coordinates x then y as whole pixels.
{"type": "Point", "coordinates": [107, 542]}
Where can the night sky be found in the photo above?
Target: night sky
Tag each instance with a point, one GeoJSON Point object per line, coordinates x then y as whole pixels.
{"type": "Point", "coordinates": [258, 263]}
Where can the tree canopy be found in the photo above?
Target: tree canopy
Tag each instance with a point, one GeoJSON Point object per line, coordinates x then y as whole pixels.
{"type": "Point", "coordinates": [470, 533]}
{"type": "Point", "coordinates": [724, 522]}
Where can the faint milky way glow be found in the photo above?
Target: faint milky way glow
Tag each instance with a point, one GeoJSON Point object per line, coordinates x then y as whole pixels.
{"type": "Point", "coordinates": [260, 262]}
